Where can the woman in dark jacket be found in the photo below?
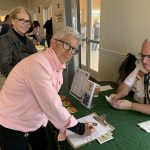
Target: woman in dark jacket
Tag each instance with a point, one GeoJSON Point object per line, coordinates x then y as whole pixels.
{"type": "Point", "coordinates": [14, 45]}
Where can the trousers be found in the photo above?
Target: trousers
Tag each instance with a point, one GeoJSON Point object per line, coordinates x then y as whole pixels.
{"type": "Point", "coordinates": [16, 140]}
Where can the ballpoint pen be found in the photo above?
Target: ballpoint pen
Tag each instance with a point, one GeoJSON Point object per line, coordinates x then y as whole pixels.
{"type": "Point", "coordinates": [101, 120]}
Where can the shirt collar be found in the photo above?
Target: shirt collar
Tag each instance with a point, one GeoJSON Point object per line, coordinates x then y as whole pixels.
{"type": "Point", "coordinates": [56, 62]}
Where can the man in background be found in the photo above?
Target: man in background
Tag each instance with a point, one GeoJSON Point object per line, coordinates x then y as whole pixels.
{"type": "Point", "coordinates": [49, 30]}
{"type": "Point", "coordinates": [5, 26]}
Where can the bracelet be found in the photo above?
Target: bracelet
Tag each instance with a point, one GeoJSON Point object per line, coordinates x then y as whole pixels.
{"type": "Point", "coordinates": [132, 106]}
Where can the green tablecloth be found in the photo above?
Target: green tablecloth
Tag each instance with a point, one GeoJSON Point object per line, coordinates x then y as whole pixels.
{"type": "Point", "coordinates": [127, 135]}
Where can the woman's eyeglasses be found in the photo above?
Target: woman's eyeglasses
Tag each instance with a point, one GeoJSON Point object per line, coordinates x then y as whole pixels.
{"type": "Point", "coordinates": [67, 46]}
{"type": "Point", "coordinates": [23, 21]}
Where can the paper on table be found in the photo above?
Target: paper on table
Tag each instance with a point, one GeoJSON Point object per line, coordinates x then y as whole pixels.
{"type": "Point", "coordinates": [79, 140]}
{"type": "Point", "coordinates": [145, 125]}
{"type": "Point", "coordinates": [104, 138]}
{"type": "Point", "coordinates": [105, 88]}
{"type": "Point", "coordinates": [108, 98]}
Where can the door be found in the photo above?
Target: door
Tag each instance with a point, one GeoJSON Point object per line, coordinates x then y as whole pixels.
{"type": "Point", "coordinates": [90, 30]}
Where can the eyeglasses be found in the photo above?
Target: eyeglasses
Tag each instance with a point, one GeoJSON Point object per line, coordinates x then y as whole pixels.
{"type": "Point", "coordinates": [67, 46]}
{"type": "Point", "coordinates": [144, 56]}
{"type": "Point", "coordinates": [23, 21]}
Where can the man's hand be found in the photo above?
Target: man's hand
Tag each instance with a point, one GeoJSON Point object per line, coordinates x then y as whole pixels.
{"type": "Point", "coordinates": [89, 129]}
{"type": "Point", "coordinates": [114, 97]}
{"type": "Point", "coordinates": [122, 104]}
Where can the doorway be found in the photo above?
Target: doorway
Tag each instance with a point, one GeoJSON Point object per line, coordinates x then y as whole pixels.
{"type": "Point", "coordinates": [90, 30]}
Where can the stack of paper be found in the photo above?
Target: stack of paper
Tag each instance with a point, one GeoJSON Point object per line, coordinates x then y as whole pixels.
{"type": "Point", "coordinates": [102, 134]}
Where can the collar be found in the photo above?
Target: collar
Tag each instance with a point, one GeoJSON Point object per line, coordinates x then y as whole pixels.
{"type": "Point", "coordinates": [23, 39]}
{"type": "Point", "coordinates": [12, 35]}
{"type": "Point", "coordinates": [55, 62]}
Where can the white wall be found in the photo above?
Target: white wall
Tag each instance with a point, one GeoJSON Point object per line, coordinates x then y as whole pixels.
{"type": "Point", "coordinates": [124, 26]}
{"type": "Point", "coordinates": [58, 11]}
{"type": "Point", "coordinates": [7, 5]}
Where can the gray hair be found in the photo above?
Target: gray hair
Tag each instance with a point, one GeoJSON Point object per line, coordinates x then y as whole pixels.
{"type": "Point", "coordinates": [68, 31]}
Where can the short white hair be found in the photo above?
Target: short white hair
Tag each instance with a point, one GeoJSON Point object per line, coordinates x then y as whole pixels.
{"type": "Point", "coordinates": [68, 31]}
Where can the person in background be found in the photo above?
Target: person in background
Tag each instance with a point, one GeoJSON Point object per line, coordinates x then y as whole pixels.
{"type": "Point", "coordinates": [96, 33]}
{"type": "Point", "coordinates": [5, 26]}
{"type": "Point", "coordinates": [29, 97]}
{"type": "Point", "coordinates": [38, 33]}
{"type": "Point", "coordinates": [83, 33]}
{"type": "Point", "coordinates": [14, 45]}
{"type": "Point", "coordinates": [49, 31]}
{"type": "Point", "coordinates": [138, 81]}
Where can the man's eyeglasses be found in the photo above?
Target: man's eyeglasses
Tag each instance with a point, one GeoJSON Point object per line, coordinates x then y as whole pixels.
{"type": "Point", "coordinates": [67, 46]}
{"type": "Point", "coordinates": [144, 56]}
{"type": "Point", "coordinates": [23, 21]}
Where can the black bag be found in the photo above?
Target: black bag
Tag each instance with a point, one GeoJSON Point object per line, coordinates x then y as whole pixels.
{"type": "Point", "coordinates": [127, 66]}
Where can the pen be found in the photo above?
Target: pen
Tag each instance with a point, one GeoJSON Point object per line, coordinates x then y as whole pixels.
{"type": "Point", "coordinates": [100, 120]}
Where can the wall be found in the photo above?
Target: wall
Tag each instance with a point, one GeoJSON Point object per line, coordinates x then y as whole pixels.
{"type": "Point", "coordinates": [6, 5]}
{"type": "Point", "coordinates": [124, 26]}
{"type": "Point", "coordinates": [58, 14]}
{"type": "Point", "coordinates": [37, 7]}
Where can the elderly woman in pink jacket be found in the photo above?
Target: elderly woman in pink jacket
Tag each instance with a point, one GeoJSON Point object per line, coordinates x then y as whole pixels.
{"type": "Point", "coordinates": [29, 97]}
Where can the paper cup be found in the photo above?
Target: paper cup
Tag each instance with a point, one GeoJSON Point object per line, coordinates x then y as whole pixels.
{"type": "Point", "coordinates": [96, 91]}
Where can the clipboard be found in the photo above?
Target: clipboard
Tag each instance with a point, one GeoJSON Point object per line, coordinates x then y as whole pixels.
{"type": "Point", "coordinates": [76, 140]}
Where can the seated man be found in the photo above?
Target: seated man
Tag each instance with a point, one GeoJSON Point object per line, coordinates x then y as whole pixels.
{"type": "Point", "coordinates": [138, 81]}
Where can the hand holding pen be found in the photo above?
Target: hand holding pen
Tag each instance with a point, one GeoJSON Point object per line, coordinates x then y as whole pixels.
{"type": "Point", "coordinates": [89, 129]}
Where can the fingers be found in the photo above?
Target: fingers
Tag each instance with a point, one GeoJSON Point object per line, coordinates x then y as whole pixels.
{"type": "Point", "coordinates": [115, 104]}
{"type": "Point", "coordinates": [122, 104]}
{"type": "Point", "coordinates": [89, 129]}
{"type": "Point", "coordinates": [114, 97]}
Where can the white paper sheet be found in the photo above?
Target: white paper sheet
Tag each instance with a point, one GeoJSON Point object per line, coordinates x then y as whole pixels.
{"type": "Point", "coordinates": [105, 88]}
{"type": "Point", "coordinates": [145, 125]}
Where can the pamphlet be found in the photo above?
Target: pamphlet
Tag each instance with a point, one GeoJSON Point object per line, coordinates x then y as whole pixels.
{"type": "Point", "coordinates": [67, 104]}
{"type": "Point", "coordinates": [82, 88]}
{"type": "Point", "coordinates": [79, 83]}
{"type": "Point", "coordinates": [88, 94]}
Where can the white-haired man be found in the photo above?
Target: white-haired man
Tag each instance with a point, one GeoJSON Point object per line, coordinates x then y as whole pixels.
{"type": "Point", "coordinates": [29, 97]}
